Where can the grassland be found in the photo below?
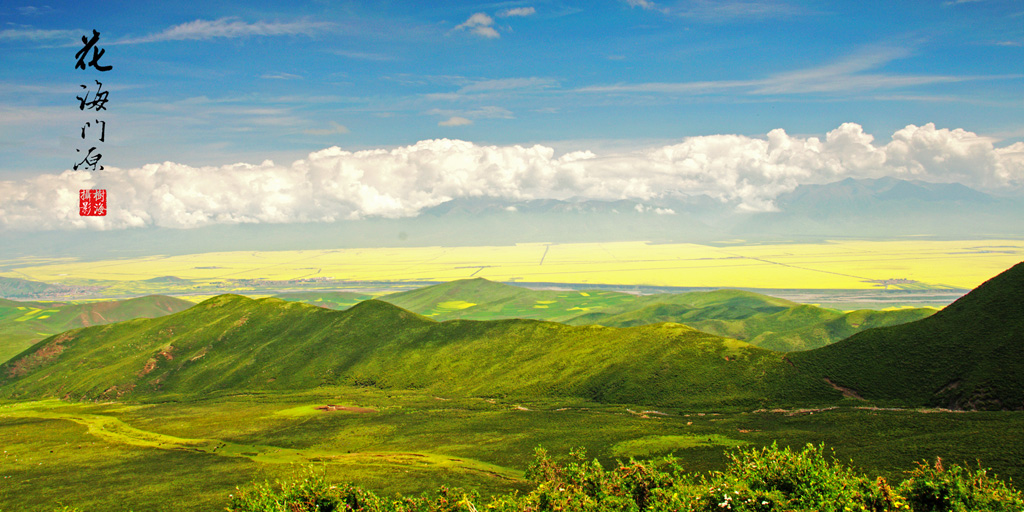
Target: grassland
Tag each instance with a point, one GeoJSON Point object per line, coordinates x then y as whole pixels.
{"type": "Point", "coordinates": [844, 264]}
{"type": "Point", "coordinates": [146, 456]}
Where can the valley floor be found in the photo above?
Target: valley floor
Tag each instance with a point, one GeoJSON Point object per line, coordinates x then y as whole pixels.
{"type": "Point", "coordinates": [190, 455]}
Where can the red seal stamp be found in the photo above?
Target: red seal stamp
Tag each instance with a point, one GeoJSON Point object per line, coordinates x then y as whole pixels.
{"type": "Point", "coordinates": [92, 203]}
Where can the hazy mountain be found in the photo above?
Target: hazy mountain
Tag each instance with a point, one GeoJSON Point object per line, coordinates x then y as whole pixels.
{"type": "Point", "coordinates": [14, 288]}
{"type": "Point", "coordinates": [890, 207]}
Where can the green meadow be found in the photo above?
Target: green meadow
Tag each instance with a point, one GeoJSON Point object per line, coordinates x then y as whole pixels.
{"type": "Point", "coordinates": [147, 456]}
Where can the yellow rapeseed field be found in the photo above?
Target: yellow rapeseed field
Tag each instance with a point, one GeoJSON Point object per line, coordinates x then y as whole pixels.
{"type": "Point", "coordinates": [836, 264]}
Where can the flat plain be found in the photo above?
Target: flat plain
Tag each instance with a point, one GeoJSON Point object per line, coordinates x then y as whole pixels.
{"type": "Point", "coordinates": [839, 264]}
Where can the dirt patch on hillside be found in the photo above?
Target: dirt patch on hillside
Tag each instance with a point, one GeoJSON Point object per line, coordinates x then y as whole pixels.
{"type": "Point", "coordinates": [346, 408]}
{"type": "Point", "coordinates": [150, 366]}
{"type": "Point", "coordinates": [847, 392]}
{"type": "Point", "coordinates": [47, 353]}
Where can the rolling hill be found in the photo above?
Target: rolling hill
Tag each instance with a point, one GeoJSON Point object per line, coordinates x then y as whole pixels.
{"type": "Point", "coordinates": [23, 323]}
{"type": "Point", "coordinates": [758, 319]}
{"type": "Point", "coordinates": [330, 300]}
{"type": "Point", "coordinates": [970, 355]}
{"type": "Point", "coordinates": [234, 344]}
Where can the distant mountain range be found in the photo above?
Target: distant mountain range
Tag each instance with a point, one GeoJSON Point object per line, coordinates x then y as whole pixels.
{"type": "Point", "coordinates": [969, 355]}
{"type": "Point", "coordinates": [866, 208]}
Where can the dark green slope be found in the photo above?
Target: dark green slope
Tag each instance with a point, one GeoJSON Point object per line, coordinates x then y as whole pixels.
{"type": "Point", "coordinates": [23, 323]}
{"type": "Point", "coordinates": [970, 355]}
{"type": "Point", "coordinates": [235, 344]}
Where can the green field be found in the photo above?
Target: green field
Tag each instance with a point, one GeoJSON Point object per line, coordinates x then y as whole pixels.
{"type": "Point", "coordinates": [145, 457]}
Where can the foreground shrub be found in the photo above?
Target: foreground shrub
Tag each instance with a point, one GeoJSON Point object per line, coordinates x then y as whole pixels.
{"type": "Point", "coordinates": [757, 480]}
{"type": "Point", "coordinates": [308, 493]}
{"type": "Point", "coordinates": [959, 489]}
{"type": "Point", "coordinates": [808, 479]}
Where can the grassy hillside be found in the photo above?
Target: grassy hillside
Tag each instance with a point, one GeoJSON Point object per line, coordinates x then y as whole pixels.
{"type": "Point", "coordinates": [231, 343]}
{"type": "Point", "coordinates": [970, 355]}
{"type": "Point", "coordinates": [330, 300]}
{"type": "Point", "coordinates": [761, 320]}
{"type": "Point", "coordinates": [480, 299]}
{"type": "Point", "coordinates": [23, 323]}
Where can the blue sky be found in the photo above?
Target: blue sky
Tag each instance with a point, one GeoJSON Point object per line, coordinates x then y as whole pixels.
{"type": "Point", "coordinates": [202, 84]}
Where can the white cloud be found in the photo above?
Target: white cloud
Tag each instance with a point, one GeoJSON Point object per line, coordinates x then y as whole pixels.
{"type": "Point", "coordinates": [488, 112]}
{"type": "Point", "coordinates": [229, 28]}
{"type": "Point", "coordinates": [36, 34]}
{"type": "Point", "coordinates": [481, 25]}
{"type": "Point", "coordinates": [31, 10]}
{"type": "Point", "coordinates": [280, 76]}
{"type": "Point", "coordinates": [455, 121]}
{"type": "Point", "coordinates": [362, 55]}
{"type": "Point", "coordinates": [726, 10]}
{"type": "Point", "coordinates": [643, 4]}
{"type": "Point", "coordinates": [333, 184]}
{"type": "Point", "coordinates": [505, 84]}
{"type": "Point", "coordinates": [848, 75]}
{"type": "Point", "coordinates": [518, 11]}
{"type": "Point", "coordinates": [333, 129]}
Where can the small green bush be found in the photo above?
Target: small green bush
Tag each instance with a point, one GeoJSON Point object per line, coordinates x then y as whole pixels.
{"type": "Point", "coordinates": [958, 489]}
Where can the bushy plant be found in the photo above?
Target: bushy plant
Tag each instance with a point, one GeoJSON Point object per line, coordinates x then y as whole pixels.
{"type": "Point", "coordinates": [807, 479]}
{"type": "Point", "coordinates": [309, 493]}
{"type": "Point", "coordinates": [958, 489]}
{"type": "Point", "coordinates": [756, 480]}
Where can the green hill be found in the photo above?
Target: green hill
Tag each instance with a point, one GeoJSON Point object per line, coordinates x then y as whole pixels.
{"type": "Point", "coordinates": [969, 355]}
{"type": "Point", "coordinates": [23, 323]}
{"type": "Point", "coordinates": [761, 320]}
{"type": "Point", "coordinates": [234, 344]}
{"type": "Point", "coordinates": [330, 300]}
{"type": "Point", "coordinates": [480, 299]}
{"type": "Point", "coordinates": [830, 327]}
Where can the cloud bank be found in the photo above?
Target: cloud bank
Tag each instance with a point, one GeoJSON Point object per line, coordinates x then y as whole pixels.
{"type": "Point", "coordinates": [333, 184]}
